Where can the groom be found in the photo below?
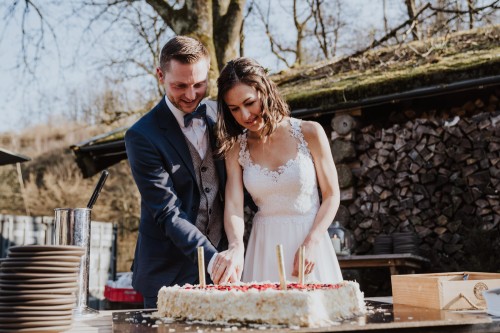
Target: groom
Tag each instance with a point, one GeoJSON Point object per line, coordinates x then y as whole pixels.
{"type": "Point", "coordinates": [170, 150]}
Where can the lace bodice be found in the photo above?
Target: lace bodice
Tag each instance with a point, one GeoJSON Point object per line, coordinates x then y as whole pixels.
{"type": "Point", "coordinates": [289, 191]}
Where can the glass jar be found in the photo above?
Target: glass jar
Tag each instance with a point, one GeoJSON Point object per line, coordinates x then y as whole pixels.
{"type": "Point", "coordinates": [342, 239]}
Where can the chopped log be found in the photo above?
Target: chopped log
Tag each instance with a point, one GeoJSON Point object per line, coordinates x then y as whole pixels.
{"type": "Point", "coordinates": [344, 175]}
{"type": "Point", "coordinates": [440, 230]}
{"type": "Point", "coordinates": [480, 179]}
{"type": "Point", "coordinates": [347, 194]}
{"type": "Point", "coordinates": [427, 178]}
{"type": "Point", "coordinates": [366, 225]}
{"type": "Point", "coordinates": [343, 215]}
{"type": "Point", "coordinates": [343, 151]}
{"type": "Point", "coordinates": [367, 162]}
{"type": "Point", "coordinates": [343, 124]}
{"type": "Point", "coordinates": [450, 248]}
{"type": "Point", "coordinates": [446, 237]}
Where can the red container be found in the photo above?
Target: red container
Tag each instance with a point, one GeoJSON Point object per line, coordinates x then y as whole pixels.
{"type": "Point", "coordinates": [127, 295]}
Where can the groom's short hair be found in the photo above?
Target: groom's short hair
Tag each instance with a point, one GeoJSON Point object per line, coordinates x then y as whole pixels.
{"type": "Point", "coordinates": [184, 49]}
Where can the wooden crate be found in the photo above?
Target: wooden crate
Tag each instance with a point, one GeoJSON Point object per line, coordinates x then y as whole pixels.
{"type": "Point", "coordinates": [449, 291]}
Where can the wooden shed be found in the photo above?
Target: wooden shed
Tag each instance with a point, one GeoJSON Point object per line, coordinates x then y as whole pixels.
{"type": "Point", "coordinates": [416, 140]}
{"type": "Point", "coordinates": [415, 137]}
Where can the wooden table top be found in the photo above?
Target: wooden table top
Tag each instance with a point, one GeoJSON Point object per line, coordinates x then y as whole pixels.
{"type": "Point", "coordinates": [409, 256]}
{"type": "Point", "coordinates": [101, 323]}
{"type": "Point", "coordinates": [404, 320]}
{"type": "Point", "coordinates": [396, 262]}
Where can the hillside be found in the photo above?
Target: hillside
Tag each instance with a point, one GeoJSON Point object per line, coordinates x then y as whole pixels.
{"type": "Point", "coordinates": [52, 179]}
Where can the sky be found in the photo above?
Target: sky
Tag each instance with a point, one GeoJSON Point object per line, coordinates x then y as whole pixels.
{"type": "Point", "coordinates": [22, 94]}
{"type": "Point", "coordinates": [70, 65]}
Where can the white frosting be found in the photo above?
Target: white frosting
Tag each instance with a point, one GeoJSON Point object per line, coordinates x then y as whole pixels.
{"type": "Point", "coordinates": [318, 307]}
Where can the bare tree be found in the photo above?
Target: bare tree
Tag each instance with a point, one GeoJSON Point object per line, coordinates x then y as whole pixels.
{"type": "Point", "coordinates": [146, 24]}
{"type": "Point", "coordinates": [215, 23]}
{"type": "Point", "coordinates": [277, 48]}
{"type": "Point", "coordinates": [242, 34]}
{"type": "Point", "coordinates": [137, 56]}
{"type": "Point", "coordinates": [328, 24]}
{"type": "Point", "coordinates": [308, 21]}
{"type": "Point", "coordinates": [434, 18]}
{"type": "Point", "coordinates": [450, 15]}
{"type": "Point", "coordinates": [411, 8]}
{"type": "Point", "coordinates": [470, 6]}
{"type": "Point", "coordinates": [384, 11]}
{"type": "Point", "coordinates": [440, 18]}
{"type": "Point", "coordinates": [33, 40]}
{"type": "Point", "coordinates": [393, 33]}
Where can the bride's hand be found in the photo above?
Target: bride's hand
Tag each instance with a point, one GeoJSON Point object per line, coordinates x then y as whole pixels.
{"type": "Point", "coordinates": [228, 266]}
{"type": "Point", "coordinates": [309, 261]}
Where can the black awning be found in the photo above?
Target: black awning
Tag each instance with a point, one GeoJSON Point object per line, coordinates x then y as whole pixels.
{"type": "Point", "coordinates": [7, 157]}
{"type": "Point", "coordinates": [100, 152]}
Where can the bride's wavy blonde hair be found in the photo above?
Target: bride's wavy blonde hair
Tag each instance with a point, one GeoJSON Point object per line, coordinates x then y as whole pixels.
{"type": "Point", "coordinates": [251, 73]}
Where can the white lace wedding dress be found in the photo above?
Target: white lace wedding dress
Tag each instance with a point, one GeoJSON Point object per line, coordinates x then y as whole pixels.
{"type": "Point", "coordinates": [288, 201]}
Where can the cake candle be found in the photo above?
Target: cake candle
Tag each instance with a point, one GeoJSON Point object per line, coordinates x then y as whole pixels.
{"type": "Point", "coordinates": [201, 267]}
{"type": "Point", "coordinates": [336, 244]}
{"type": "Point", "coordinates": [302, 251]}
{"type": "Point", "coordinates": [281, 266]}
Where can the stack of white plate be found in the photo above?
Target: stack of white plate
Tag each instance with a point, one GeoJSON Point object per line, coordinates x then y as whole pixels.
{"type": "Point", "coordinates": [38, 285]}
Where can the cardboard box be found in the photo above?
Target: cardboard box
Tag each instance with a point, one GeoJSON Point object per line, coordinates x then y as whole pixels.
{"type": "Point", "coordinates": [492, 298]}
{"type": "Point", "coordinates": [448, 291]}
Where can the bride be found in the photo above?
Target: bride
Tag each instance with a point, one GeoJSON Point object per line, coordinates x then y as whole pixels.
{"type": "Point", "coordinates": [281, 161]}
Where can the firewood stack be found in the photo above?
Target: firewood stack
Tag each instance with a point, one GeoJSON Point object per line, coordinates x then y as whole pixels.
{"type": "Point", "coordinates": [439, 179]}
{"type": "Point", "coordinates": [344, 153]}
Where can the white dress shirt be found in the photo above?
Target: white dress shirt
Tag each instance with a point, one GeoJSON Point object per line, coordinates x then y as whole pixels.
{"type": "Point", "coordinates": [195, 133]}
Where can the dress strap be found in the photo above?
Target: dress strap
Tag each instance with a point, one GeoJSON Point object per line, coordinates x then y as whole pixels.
{"type": "Point", "coordinates": [296, 130]}
{"type": "Point", "coordinates": [244, 154]}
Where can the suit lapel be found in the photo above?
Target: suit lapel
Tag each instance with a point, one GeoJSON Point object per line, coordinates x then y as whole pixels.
{"type": "Point", "coordinates": [211, 137]}
{"type": "Point", "coordinates": [173, 134]}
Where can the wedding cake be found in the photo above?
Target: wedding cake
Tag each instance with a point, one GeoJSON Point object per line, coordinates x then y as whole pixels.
{"type": "Point", "coordinates": [310, 305]}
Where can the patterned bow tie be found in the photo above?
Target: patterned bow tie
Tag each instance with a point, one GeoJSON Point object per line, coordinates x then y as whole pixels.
{"type": "Point", "coordinates": [198, 113]}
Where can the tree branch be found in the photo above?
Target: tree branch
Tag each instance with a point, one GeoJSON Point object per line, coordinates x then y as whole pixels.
{"type": "Point", "coordinates": [276, 47]}
{"type": "Point", "coordinates": [319, 25]}
{"type": "Point", "coordinates": [32, 38]}
{"type": "Point", "coordinates": [474, 10]}
{"type": "Point", "coordinates": [391, 33]}
{"type": "Point", "coordinates": [168, 14]}
{"type": "Point", "coordinates": [242, 34]}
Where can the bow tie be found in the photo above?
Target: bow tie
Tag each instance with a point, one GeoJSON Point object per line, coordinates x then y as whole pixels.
{"type": "Point", "coordinates": [200, 112]}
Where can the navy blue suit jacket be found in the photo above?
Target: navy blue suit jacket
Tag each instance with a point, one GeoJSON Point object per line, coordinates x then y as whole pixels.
{"type": "Point", "coordinates": [166, 250]}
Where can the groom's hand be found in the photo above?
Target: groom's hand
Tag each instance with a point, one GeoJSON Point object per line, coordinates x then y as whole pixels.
{"type": "Point", "coordinates": [228, 266]}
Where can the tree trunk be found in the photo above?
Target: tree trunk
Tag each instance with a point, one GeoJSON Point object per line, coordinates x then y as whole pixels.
{"type": "Point", "coordinates": [411, 8]}
{"type": "Point", "coordinates": [214, 23]}
{"type": "Point", "coordinates": [470, 9]}
{"type": "Point", "coordinates": [440, 21]}
{"type": "Point", "coordinates": [228, 18]}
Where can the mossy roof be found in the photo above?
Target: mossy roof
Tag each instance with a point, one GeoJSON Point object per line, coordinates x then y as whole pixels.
{"type": "Point", "coordinates": [457, 57]}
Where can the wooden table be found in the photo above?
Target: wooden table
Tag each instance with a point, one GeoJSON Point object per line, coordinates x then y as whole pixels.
{"type": "Point", "coordinates": [397, 263]}
{"type": "Point", "coordinates": [102, 323]}
{"type": "Point", "coordinates": [405, 320]}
